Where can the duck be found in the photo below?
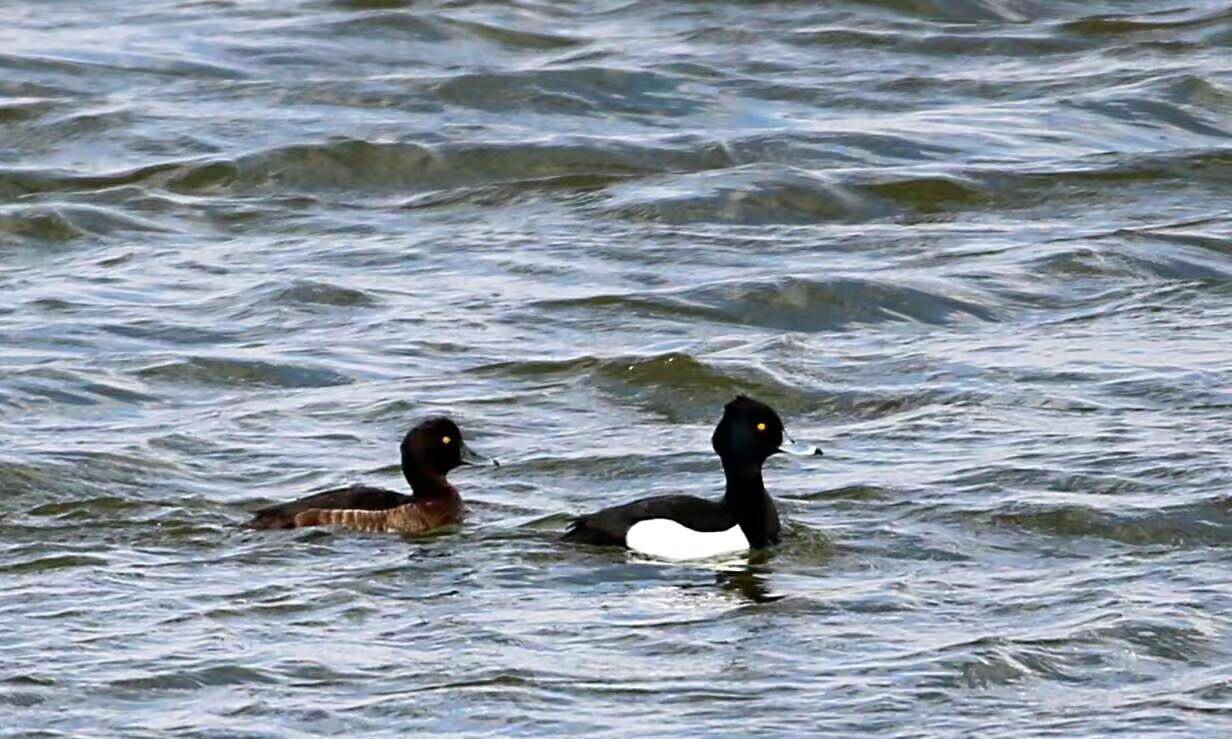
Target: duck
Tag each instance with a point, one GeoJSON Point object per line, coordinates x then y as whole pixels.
{"type": "Point", "coordinates": [684, 527]}
{"type": "Point", "coordinates": [429, 451]}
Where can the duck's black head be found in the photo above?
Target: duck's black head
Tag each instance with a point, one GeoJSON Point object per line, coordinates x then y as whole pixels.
{"type": "Point", "coordinates": [750, 432]}
{"type": "Point", "coordinates": [434, 447]}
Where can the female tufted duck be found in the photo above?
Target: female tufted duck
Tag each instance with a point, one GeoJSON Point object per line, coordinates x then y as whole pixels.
{"type": "Point", "coordinates": [679, 527]}
{"type": "Point", "coordinates": [429, 452]}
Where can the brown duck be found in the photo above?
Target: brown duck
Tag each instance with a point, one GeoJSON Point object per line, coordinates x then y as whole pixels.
{"type": "Point", "coordinates": [429, 452]}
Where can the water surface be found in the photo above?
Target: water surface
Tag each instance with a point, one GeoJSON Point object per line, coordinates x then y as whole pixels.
{"type": "Point", "coordinates": [980, 251]}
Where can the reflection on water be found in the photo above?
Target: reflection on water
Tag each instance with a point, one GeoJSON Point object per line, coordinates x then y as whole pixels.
{"type": "Point", "coordinates": [750, 582]}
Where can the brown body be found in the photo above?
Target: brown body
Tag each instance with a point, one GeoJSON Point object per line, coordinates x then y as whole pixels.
{"type": "Point", "coordinates": [429, 452]}
{"type": "Point", "coordinates": [416, 517]}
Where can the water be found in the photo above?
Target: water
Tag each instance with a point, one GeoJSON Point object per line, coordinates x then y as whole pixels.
{"type": "Point", "coordinates": [977, 250]}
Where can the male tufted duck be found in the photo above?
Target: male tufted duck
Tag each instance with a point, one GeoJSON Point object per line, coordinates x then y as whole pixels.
{"type": "Point", "coordinates": [680, 527]}
{"type": "Point", "coordinates": [429, 452]}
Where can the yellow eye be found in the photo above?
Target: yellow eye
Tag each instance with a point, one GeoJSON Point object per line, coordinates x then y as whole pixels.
{"type": "Point", "coordinates": [445, 439]}
{"type": "Point", "coordinates": [761, 427]}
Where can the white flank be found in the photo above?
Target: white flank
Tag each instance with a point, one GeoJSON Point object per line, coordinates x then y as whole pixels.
{"type": "Point", "coordinates": [666, 539]}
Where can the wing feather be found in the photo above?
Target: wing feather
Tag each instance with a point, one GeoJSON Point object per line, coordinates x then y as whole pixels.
{"type": "Point", "coordinates": [355, 497]}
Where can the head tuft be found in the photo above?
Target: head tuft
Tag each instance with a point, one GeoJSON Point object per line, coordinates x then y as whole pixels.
{"type": "Point", "coordinates": [749, 432]}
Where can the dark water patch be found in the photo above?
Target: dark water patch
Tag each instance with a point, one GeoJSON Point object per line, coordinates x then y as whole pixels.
{"type": "Point", "coordinates": [934, 42]}
{"type": "Point", "coordinates": [23, 699]}
{"type": "Point", "coordinates": [1132, 106]}
{"type": "Point", "coordinates": [678, 385]}
{"type": "Point", "coordinates": [19, 479]}
{"type": "Point", "coordinates": [401, 25]}
{"type": "Point", "coordinates": [72, 388]}
{"type": "Point", "coordinates": [56, 305]}
{"type": "Point", "coordinates": [1197, 92]}
{"type": "Point", "coordinates": [1214, 235]}
{"type": "Point", "coordinates": [309, 292]}
{"type": "Point", "coordinates": [165, 332]}
{"type": "Point", "coordinates": [1025, 478]}
{"type": "Point", "coordinates": [766, 194]}
{"type": "Point", "coordinates": [517, 38]}
{"type": "Point", "coordinates": [858, 492]}
{"type": "Point", "coordinates": [15, 182]}
{"type": "Point", "coordinates": [114, 66]}
{"type": "Point", "coordinates": [1166, 21]}
{"type": "Point", "coordinates": [1163, 639]}
{"type": "Point", "coordinates": [232, 372]}
{"type": "Point", "coordinates": [763, 195]}
{"type": "Point", "coordinates": [684, 388]}
{"type": "Point", "coordinates": [27, 89]}
{"type": "Point", "coordinates": [805, 545]}
{"type": "Point", "coordinates": [543, 368]}
{"type": "Point", "coordinates": [745, 195]}
{"type": "Point", "coordinates": [930, 194]}
{"type": "Point", "coordinates": [796, 304]}
{"type": "Point", "coordinates": [577, 188]}
{"type": "Point", "coordinates": [1209, 165]}
{"type": "Point", "coordinates": [40, 565]}
{"type": "Point", "coordinates": [370, 4]}
{"type": "Point", "coordinates": [988, 663]}
{"type": "Point", "coordinates": [192, 679]}
{"type": "Point", "coordinates": [834, 150]}
{"type": "Point", "coordinates": [414, 167]}
{"type": "Point", "coordinates": [576, 91]}
{"type": "Point", "coordinates": [969, 12]}
{"type": "Point", "coordinates": [1202, 523]}
{"type": "Point", "coordinates": [68, 222]}
{"type": "Point", "coordinates": [17, 109]}
{"type": "Point", "coordinates": [40, 223]}
{"type": "Point", "coordinates": [28, 680]}
{"type": "Point", "coordinates": [1082, 261]}
{"type": "Point", "coordinates": [1176, 390]}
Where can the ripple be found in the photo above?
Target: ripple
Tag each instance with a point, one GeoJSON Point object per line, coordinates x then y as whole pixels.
{"type": "Point", "coordinates": [308, 292]}
{"type": "Point", "coordinates": [1206, 522]}
{"type": "Point", "coordinates": [1129, 24]}
{"type": "Point", "coordinates": [82, 64]}
{"type": "Point", "coordinates": [14, 109]}
{"type": "Point", "coordinates": [674, 383]}
{"type": "Point", "coordinates": [231, 372]}
{"type": "Point", "coordinates": [68, 222]}
{"type": "Point", "coordinates": [221, 675]}
{"type": "Point", "coordinates": [795, 304]}
{"type": "Point", "coordinates": [963, 11]}
{"type": "Point", "coordinates": [748, 196]}
{"type": "Point", "coordinates": [938, 43]}
{"type": "Point", "coordinates": [48, 564]}
{"type": "Point", "coordinates": [577, 91]}
{"type": "Point", "coordinates": [101, 508]}
{"type": "Point", "coordinates": [74, 388]}
{"type": "Point", "coordinates": [351, 163]}
{"type": "Point", "coordinates": [518, 38]}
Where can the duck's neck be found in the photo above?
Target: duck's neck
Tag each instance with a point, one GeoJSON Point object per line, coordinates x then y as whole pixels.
{"type": "Point", "coordinates": [426, 483]}
{"type": "Point", "coordinates": [748, 501]}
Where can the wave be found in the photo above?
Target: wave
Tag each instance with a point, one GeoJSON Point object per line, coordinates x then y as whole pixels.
{"type": "Point", "coordinates": [74, 388]}
{"type": "Point", "coordinates": [675, 384]}
{"type": "Point", "coordinates": [312, 292]}
{"type": "Point", "coordinates": [68, 222]}
{"type": "Point", "coordinates": [682, 180]}
{"type": "Point", "coordinates": [232, 372]}
{"type": "Point", "coordinates": [1172, 20]}
{"type": "Point", "coordinates": [798, 303]}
